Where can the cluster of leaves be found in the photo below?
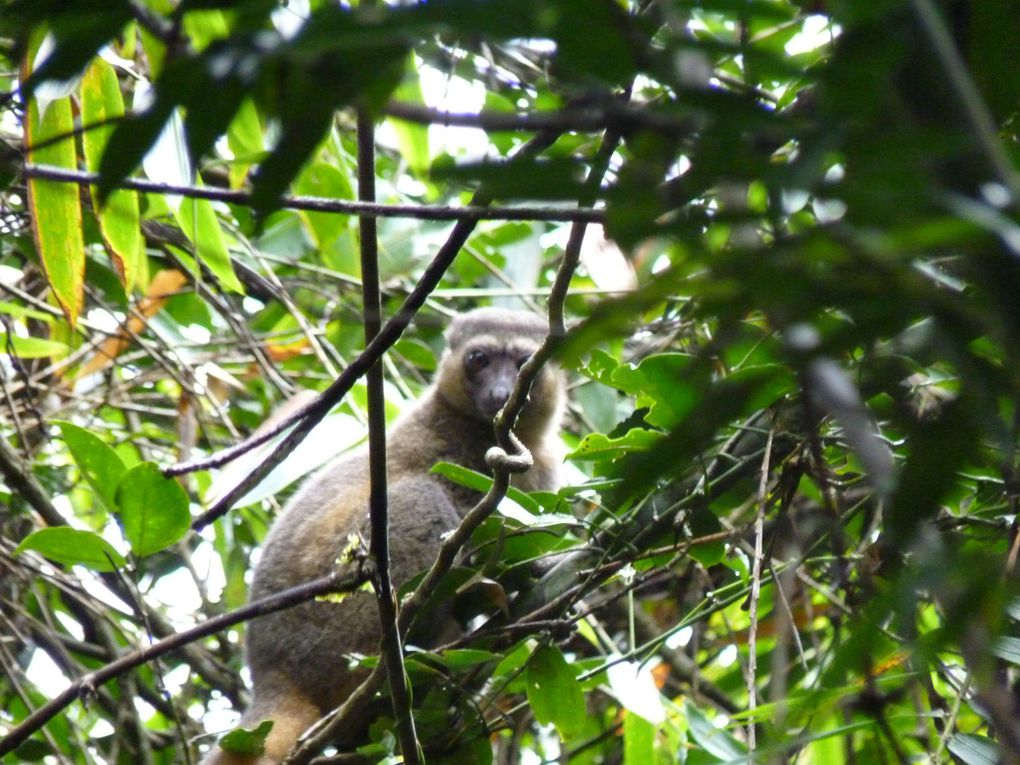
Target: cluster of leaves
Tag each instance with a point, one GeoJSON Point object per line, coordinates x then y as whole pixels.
{"type": "Point", "coordinates": [790, 530]}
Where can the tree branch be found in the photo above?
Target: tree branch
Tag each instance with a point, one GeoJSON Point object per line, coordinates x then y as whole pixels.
{"type": "Point", "coordinates": [474, 212]}
{"type": "Point", "coordinates": [328, 728]}
{"type": "Point", "coordinates": [19, 478]}
{"type": "Point", "coordinates": [391, 645]}
{"type": "Point", "coordinates": [333, 583]}
{"type": "Point", "coordinates": [612, 115]}
{"type": "Point", "coordinates": [309, 416]}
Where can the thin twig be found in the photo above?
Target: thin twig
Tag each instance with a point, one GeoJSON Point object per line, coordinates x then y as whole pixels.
{"type": "Point", "coordinates": [327, 728]}
{"type": "Point", "coordinates": [335, 582]}
{"type": "Point", "coordinates": [613, 115]}
{"type": "Point", "coordinates": [474, 212]}
{"type": "Point", "coordinates": [20, 479]}
{"type": "Point", "coordinates": [309, 416]}
{"type": "Point", "coordinates": [752, 635]}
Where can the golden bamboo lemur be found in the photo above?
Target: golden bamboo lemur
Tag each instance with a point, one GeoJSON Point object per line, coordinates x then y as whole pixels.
{"type": "Point", "coordinates": [297, 656]}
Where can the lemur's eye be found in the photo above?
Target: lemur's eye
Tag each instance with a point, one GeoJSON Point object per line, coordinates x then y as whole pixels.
{"type": "Point", "coordinates": [475, 360]}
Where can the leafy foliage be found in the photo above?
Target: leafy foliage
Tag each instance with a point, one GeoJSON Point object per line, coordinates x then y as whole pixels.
{"type": "Point", "coordinates": [790, 525]}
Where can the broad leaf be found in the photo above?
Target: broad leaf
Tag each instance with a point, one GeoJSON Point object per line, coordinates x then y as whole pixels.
{"type": "Point", "coordinates": [153, 510]}
{"type": "Point", "coordinates": [96, 459]}
{"type": "Point", "coordinates": [247, 741]}
{"type": "Point", "coordinates": [198, 220]}
{"type": "Point", "coordinates": [73, 547]}
{"type": "Point", "coordinates": [101, 103]}
{"type": "Point", "coordinates": [554, 693]}
{"type": "Point", "coordinates": [55, 206]}
{"type": "Point", "coordinates": [638, 741]}
{"type": "Point", "coordinates": [31, 347]}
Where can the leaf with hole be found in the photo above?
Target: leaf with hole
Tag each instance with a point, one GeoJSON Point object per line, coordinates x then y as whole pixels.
{"type": "Point", "coordinates": [554, 693]}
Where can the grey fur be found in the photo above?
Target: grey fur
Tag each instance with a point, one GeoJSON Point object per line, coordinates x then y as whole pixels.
{"type": "Point", "coordinates": [297, 657]}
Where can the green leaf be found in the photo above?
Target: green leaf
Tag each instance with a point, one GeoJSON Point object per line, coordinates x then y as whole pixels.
{"type": "Point", "coordinates": [78, 33]}
{"type": "Point", "coordinates": [600, 366]}
{"type": "Point", "coordinates": [522, 177]}
{"type": "Point", "coordinates": [554, 693]}
{"type": "Point", "coordinates": [598, 48]}
{"type": "Point", "coordinates": [331, 233]}
{"type": "Point", "coordinates": [199, 222]}
{"type": "Point", "coordinates": [638, 740]}
{"type": "Point", "coordinates": [31, 347]}
{"type": "Point", "coordinates": [244, 137]}
{"type": "Point", "coordinates": [153, 509]}
{"type": "Point", "coordinates": [459, 658]}
{"type": "Point", "coordinates": [658, 382]}
{"type": "Point", "coordinates": [418, 353]}
{"type": "Point", "coordinates": [974, 750]}
{"type": "Point", "coordinates": [481, 483]}
{"type": "Point", "coordinates": [247, 741]}
{"type": "Point", "coordinates": [118, 215]}
{"type": "Point", "coordinates": [477, 751]}
{"type": "Point", "coordinates": [73, 547]}
{"type": "Point", "coordinates": [97, 460]}
{"type": "Point", "coordinates": [938, 447]}
{"type": "Point", "coordinates": [55, 206]}
{"type": "Point", "coordinates": [717, 742]}
{"type": "Point", "coordinates": [596, 447]}
{"type": "Point", "coordinates": [703, 522]}
{"type": "Point", "coordinates": [993, 34]}
{"type": "Point", "coordinates": [1007, 648]}
{"type": "Point", "coordinates": [24, 312]}
{"type": "Point", "coordinates": [412, 139]}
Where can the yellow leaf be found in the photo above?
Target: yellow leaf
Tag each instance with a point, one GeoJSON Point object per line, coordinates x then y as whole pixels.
{"type": "Point", "coordinates": [163, 285]}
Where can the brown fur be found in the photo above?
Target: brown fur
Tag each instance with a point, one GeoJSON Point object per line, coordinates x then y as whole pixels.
{"type": "Point", "coordinates": [297, 656]}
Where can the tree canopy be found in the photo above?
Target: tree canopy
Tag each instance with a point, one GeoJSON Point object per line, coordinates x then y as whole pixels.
{"type": "Point", "coordinates": [778, 244]}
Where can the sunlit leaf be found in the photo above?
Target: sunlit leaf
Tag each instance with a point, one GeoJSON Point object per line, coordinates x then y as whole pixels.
{"type": "Point", "coordinates": [99, 463]}
{"type": "Point", "coordinates": [31, 347]}
{"type": "Point", "coordinates": [56, 209]}
{"type": "Point", "coordinates": [153, 510]}
{"type": "Point", "coordinates": [198, 220]}
{"type": "Point", "coordinates": [638, 740]}
{"type": "Point", "coordinates": [413, 139]}
{"type": "Point", "coordinates": [101, 104]}
{"type": "Point", "coordinates": [597, 446]}
{"type": "Point", "coordinates": [244, 137]}
{"type": "Point", "coordinates": [72, 547]}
